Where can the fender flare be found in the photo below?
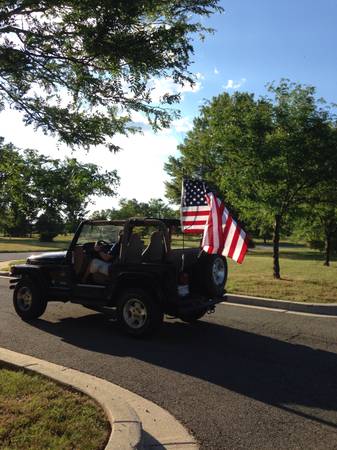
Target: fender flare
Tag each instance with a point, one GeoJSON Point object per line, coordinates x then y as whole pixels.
{"type": "Point", "coordinates": [33, 273]}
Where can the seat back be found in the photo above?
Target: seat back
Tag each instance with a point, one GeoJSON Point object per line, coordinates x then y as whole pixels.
{"type": "Point", "coordinates": [134, 249]}
{"type": "Point", "coordinates": [81, 260]}
{"type": "Point", "coordinates": [155, 251]}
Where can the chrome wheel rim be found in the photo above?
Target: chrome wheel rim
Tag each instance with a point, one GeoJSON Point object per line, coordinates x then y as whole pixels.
{"type": "Point", "coordinates": [24, 298]}
{"type": "Point", "coordinates": [134, 313]}
{"type": "Point", "coordinates": [218, 271]}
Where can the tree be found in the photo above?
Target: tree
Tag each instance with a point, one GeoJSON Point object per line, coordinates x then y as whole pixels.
{"type": "Point", "coordinates": [265, 155]}
{"type": "Point", "coordinates": [34, 185]}
{"type": "Point", "coordinates": [82, 181]}
{"type": "Point", "coordinates": [129, 208]}
{"type": "Point", "coordinates": [155, 208]}
{"type": "Point", "coordinates": [103, 214]}
{"type": "Point", "coordinates": [17, 202]}
{"type": "Point", "coordinates": [318, 222]}
{"type": "Point", "coordinates": [49, 225]}
{"type": "Point", "coordinates": [160, 210]}
{"type": "Point", "coordinates": [79, 69]}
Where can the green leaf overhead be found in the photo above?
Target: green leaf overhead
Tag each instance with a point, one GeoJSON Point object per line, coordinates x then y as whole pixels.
{"type": "Point", "coordinates": [78, 69]}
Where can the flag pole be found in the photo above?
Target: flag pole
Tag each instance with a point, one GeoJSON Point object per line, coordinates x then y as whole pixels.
{"type": "Point", "coordinates": [181, 222]}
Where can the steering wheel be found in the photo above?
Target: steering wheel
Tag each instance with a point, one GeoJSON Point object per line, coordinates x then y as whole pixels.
{"type": "Point", "coordinates": [104, 243]}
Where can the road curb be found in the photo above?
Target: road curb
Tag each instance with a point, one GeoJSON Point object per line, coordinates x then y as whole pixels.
{"type": "Point", "coordinates": [136, 423]}
{"type": "Point", "coordinates": [310, 308]}
{"type": "Point", "coordinates": [126, 429]}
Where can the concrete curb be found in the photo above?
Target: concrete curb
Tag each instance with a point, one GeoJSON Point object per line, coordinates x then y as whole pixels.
{"type": "Point", "coordinates": [126, 430]}
{"type": "Point", "coordinates": [328, 309]}
{"type": "Point", "coordinates": [136, 423]}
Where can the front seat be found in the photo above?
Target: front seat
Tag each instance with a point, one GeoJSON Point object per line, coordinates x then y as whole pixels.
{"type": "Point", "coordinates": [81, 261]}
{"type": "Point", "coordinates": [133, 251]}
{"type": "Point", "coordinates": [155, 251]}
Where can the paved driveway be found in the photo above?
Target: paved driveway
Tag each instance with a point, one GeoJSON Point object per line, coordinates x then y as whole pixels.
{"type": "Point", "coordinates": [243, 378]}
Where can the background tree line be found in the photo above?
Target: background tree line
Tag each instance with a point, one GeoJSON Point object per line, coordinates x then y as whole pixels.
{"type": "Point", "coordinates": [155, 208]}
{"type": "Point", "coordinates": [45, 195]}
{"type": "Point", "coordinates": [273, 160]}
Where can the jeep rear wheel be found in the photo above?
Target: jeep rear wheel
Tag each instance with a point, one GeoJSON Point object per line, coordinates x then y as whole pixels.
{"type": "Point", "coordinates": [138, 313]}
{"type": "Point", "coordinates": [27, 300]}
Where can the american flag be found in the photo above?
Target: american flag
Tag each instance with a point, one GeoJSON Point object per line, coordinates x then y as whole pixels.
{"type": "Point", "coordinates": [194, 206]}
{"type": "Point", "coordinates": [203, 212]}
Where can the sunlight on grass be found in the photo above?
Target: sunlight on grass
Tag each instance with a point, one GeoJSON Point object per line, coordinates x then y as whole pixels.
{"type": "Point", "coordinates": [38, 414]}
{"type": "Point", "coordinates": [8, 244]}
{"type": "Point", "coordinates": [6, 265]}
{"type": "Point", "coordinates": [304, 277]}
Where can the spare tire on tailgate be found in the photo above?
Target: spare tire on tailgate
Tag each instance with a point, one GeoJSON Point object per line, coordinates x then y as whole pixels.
{"type": "Point", "coordinates": [212, 274]}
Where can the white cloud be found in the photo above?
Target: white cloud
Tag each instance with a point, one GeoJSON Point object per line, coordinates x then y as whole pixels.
{"type": "Point", "coordinates": [13, 130]}
{"type": "Point", "coordinates": [164, 86]}
{"type": "Point", "coordinates": [199, 76]}
{"type": "Point", "coordinates": [182, 125]}
{"type": "Point", "coordinates": [232, 84]}
{"type": "Point", "coordinates": [216, 71]}
{"type": "Point", "coordinates": [139, 117]}
{"type": "Point", "coordinates": [140, 164]}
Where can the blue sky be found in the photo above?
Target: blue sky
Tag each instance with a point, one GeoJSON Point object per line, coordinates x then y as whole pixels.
{"type": "Point", "coordinates": [255, 42]}
{"type": "Point", "coordinates": [266, 40]}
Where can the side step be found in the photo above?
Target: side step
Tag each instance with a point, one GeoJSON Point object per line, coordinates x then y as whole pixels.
{"type": "Point", "coordinates": [111, 312]}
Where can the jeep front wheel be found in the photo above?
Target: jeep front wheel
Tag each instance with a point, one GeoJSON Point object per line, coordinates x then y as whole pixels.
{"type": "Point", "coordinates": [138, 313]}
{"type": "Point", "coordinates": [27, 300]}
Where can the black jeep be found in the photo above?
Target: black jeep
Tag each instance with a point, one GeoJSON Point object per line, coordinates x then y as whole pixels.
{"type": "Point", "coordinates": [147, 279]}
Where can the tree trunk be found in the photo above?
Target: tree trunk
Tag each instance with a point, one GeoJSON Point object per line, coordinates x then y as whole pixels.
{"type": "Point", "coordinates": [276, 245]}
{"type": "Point", "coordinates": [327, 249]}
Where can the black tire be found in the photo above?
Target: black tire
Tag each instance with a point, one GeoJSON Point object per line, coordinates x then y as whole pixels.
{"type": "Point", "coordinates": [192, 317]}
{"type": "Point", "coordinates": [28, 301]}
{"type": "Point", "coordinates": [138, 313]}
{"type": "Point", "coordinates": [213, 273]}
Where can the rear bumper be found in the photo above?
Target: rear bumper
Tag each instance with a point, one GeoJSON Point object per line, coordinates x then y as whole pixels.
{"type": "Point", "coordinates": [193, 304]}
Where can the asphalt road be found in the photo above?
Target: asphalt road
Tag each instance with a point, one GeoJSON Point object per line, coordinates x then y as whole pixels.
{"type": "Point", "coordinates": [244, 378]}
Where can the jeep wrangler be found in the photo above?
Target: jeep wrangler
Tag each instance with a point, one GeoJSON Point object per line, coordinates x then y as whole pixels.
{"type": "Point", "coordinates": [147, 279]}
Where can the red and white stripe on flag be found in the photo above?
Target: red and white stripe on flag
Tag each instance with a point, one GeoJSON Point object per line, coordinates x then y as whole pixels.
{"type": "Point", "coordinates": [194, 219]}
{"type": "Point", "coordinates": [222, 234]}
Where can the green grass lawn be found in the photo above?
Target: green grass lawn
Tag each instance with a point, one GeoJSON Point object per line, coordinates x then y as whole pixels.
{"type": "Point", "coordinates": [6, 265]}
{"type": "Point", "coordinates": [9, 245]}
{"type": "Point", "coordinates": [39, 414]}
{"type": "Point", "coordinates": [304, 277]}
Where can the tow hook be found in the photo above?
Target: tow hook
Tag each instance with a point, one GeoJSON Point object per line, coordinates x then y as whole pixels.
{"type": "Point", "coordinates": [211, 310]}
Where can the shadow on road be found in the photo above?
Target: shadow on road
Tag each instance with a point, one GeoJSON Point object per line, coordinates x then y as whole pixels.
{"type": "Point", "coordinates": [289, 376]}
